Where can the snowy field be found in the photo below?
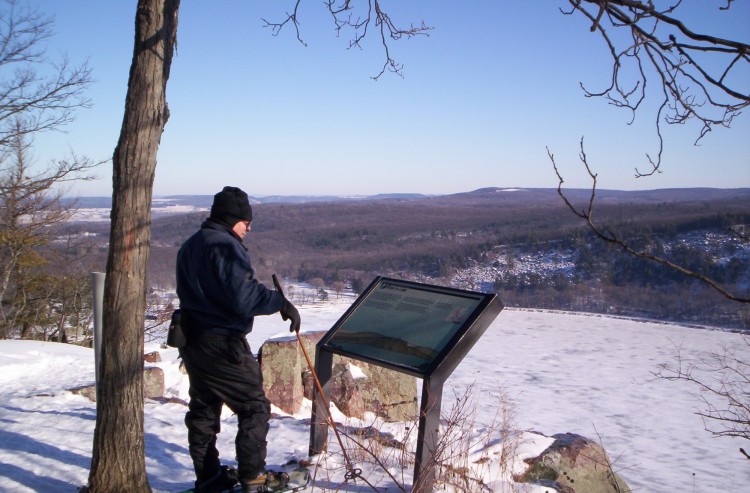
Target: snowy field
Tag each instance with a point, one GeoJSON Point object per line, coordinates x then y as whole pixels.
{"type": "Point", "coordinates": [159, 207]}
{"type": "Point", "coordinates": [575, 373]}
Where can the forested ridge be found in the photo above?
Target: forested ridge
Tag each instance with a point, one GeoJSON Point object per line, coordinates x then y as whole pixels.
{"type": "Point", "coordinates": [523, 244]}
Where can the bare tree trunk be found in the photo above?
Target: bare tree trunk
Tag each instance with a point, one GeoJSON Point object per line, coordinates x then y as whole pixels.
{"type": "Point", "coordinates": [118, 462]}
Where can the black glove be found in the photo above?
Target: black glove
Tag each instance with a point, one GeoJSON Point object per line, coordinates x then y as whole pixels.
{"type": "Point", "coordinates": [288, 312]}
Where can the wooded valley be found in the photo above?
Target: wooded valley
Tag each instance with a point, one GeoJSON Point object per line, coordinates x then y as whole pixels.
{"type": "Point", "coordinates": [524, 244]}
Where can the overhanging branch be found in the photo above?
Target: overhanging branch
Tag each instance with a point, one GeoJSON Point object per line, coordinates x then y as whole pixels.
{"type": "Point", "coordinates": [607, 235]}
{"type": "Point", "coordinates": [701, 75]}
{"type": "Point", "coordinates": [357, 16]}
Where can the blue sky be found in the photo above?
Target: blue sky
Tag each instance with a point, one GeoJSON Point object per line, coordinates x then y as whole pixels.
{"type": "Point", "coordinates": [481, 99]}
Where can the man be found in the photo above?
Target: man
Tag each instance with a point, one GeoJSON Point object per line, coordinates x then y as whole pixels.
{"type": "Point", "coordinates": [219, 297]}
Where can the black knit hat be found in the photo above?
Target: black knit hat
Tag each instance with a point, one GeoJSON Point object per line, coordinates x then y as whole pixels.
{"type": "Point", "coordinates": [230, 206]}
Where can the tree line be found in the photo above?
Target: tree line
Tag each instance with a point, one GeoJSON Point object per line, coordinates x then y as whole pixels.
{"type": "Point", "coordinates": [344, 245]}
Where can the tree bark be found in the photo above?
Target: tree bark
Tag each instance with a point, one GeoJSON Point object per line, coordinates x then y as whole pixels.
{"type": "Point", "coordinates": [118, 460]}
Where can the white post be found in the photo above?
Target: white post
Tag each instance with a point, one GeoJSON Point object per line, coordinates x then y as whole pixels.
{"type": "Point", "coordinates": [98, 288]}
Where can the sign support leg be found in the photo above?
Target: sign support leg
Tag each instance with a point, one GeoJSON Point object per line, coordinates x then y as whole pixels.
{"type": "Point", "coordinates": [428, 436]}
{"type": "Point", "coordinates": [320, 414]}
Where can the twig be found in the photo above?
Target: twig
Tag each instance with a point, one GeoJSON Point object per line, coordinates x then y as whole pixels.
{"type": "Point", "coordinates": [610, 237]}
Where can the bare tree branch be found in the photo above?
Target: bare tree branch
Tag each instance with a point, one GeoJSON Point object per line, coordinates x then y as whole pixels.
{"type": "Point", "coordinates": [701, 76]}
{"type": "Point", "coordinates": [43, 102]}
{"type": "Point", "coordinates": [276, 27]}
{"type": "Point", "coordinates": [29, 206]}
{"type": "Point", "coordinates": [357, 16]}
{"type": "Point", "coordinates": [607, 235]}
{"type": "Point", "coordinates": [723, 383]}
{"type": "Point", "coordinates": [36, 95]}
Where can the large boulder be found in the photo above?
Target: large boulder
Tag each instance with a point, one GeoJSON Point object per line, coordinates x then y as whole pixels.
{"type": "Point", "coordinates": [153, 385]}
{"type": "Point", "coordinates": [152, 357]}
{"type": "Point", "coordinates": [153, 382]}
{"type": "Point", "coordinates": [574, 464]}
{"type": "Point", "coordinates": [282, 366]}
{"type": "Point", "coordinates": [356, 387]}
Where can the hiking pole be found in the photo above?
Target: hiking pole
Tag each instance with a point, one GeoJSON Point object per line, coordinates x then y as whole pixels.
{"type": "Point", "coordinates": [352, 472]}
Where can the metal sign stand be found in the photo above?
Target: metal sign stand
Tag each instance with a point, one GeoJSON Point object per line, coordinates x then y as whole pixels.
{"type": "Point", "coordinates": [433, 378]}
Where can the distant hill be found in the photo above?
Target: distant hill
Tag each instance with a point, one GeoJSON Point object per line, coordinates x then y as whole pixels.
{"type": "Point", "coordinates": [489, 195]}
{"type": "Point", "coordinates": [204, 201]}
{"type": "Point", "coordinates": [524, 243]}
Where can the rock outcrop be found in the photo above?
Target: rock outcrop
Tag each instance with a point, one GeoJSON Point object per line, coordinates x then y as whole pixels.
{"type": "Point", "coordinates": [574, 464]}
{"type": "Point", "coordinates": [153, 385]}
{"type": "Point", "coordinates": [357, 387]}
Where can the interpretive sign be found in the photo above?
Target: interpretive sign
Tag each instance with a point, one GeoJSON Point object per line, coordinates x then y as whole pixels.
{"type": "Point", "coordinates": [407, 326]}
{"type": "Point", "coordinates": [414, 328]}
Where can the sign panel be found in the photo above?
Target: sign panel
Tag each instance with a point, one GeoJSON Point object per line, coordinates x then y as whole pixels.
{"type": "Point", "coordinates": [405, 325]}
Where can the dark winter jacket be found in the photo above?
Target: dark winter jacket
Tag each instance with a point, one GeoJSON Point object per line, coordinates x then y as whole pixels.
{"type": "Point", "coordinates": [216, 285]}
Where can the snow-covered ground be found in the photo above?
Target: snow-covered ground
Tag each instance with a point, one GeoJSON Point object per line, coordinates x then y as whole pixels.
{"type": "Point", "coordinates": [575, 373]}
{"type": "Point", "coordinates": [160, 207]}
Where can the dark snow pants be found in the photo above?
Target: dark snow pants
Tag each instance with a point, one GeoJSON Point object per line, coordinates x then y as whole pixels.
{"type": "Point", "coordinates": [223, 370]}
